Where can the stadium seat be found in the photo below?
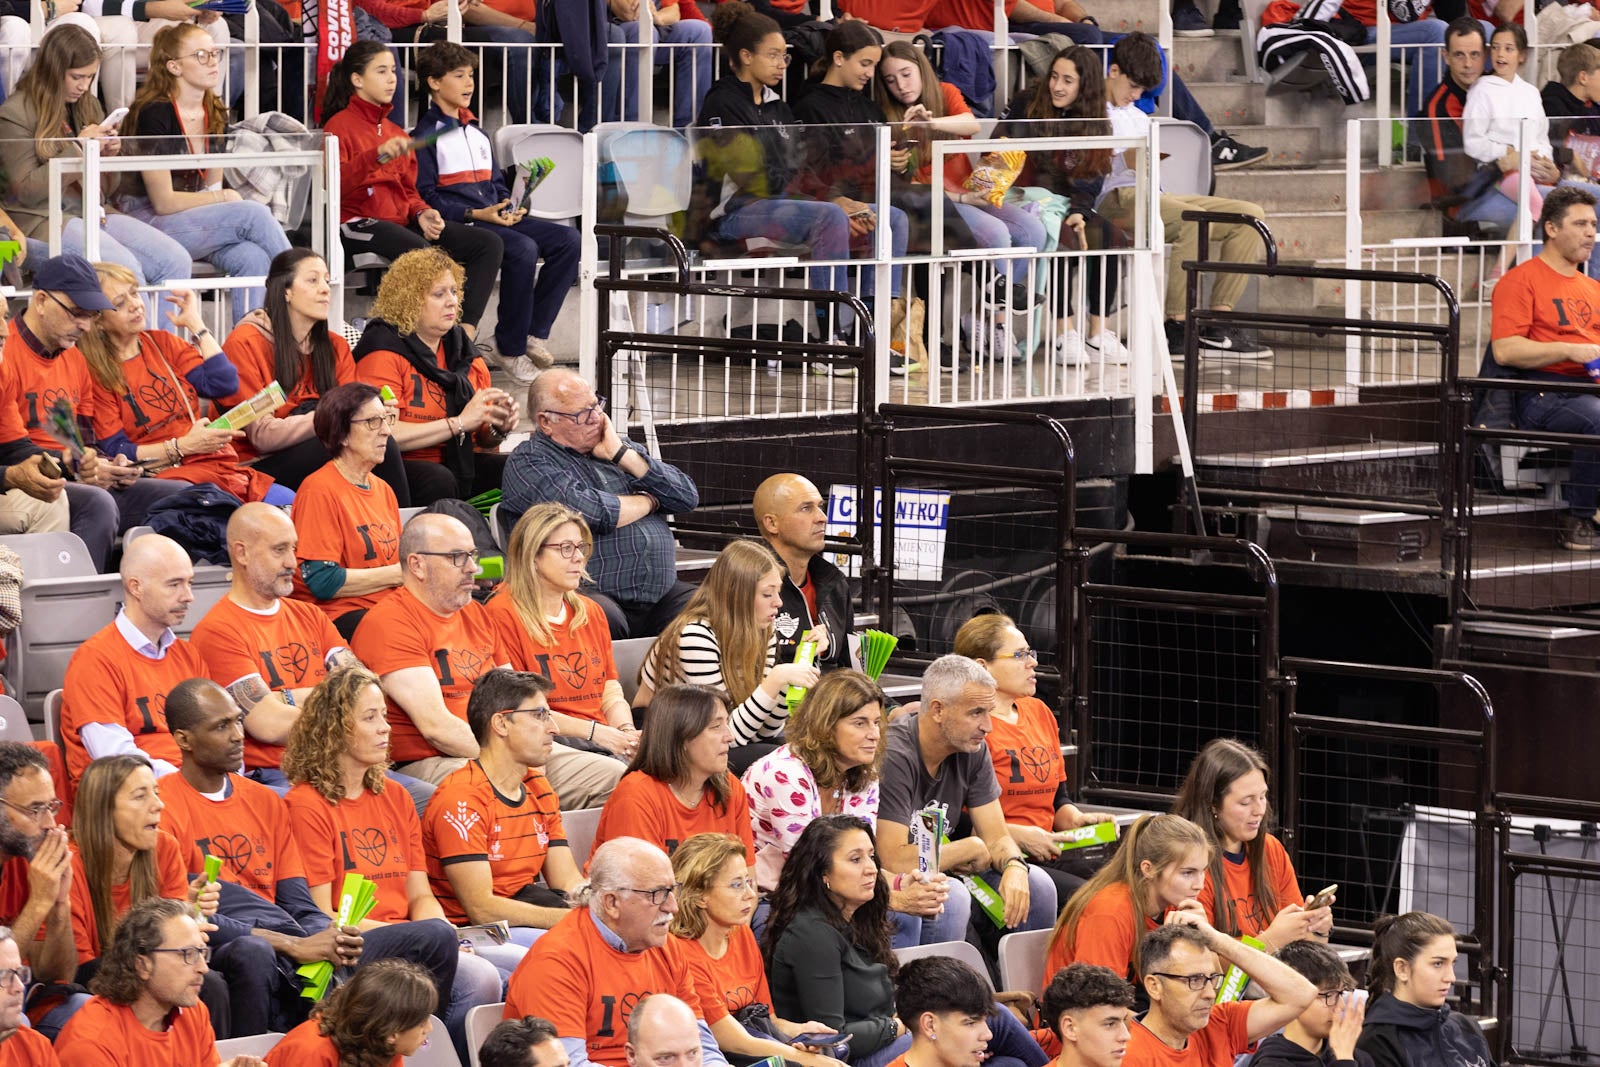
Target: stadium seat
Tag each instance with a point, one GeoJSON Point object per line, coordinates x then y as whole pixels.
{"type": "Point", "coordinates": [500, 536]}
{"type": "Point", "coordinates": [580, 826]}
{"type": "Point", "coordinates": [629, 655]}
{"type": "Point", "coordinates": [437, 1051]}
{"type": "Point", "coordinates": [407, 514]}
{"type": "Point", "coordinates": [52, 716]}
{"type": "Point", "coordinates": [957, 950]}
{"type": "Point", "coordinates": [560, 196]}
{"type": "Point", "coordinates": [64, 602]}
{"type": "Point", "coordinates": [480, 1021]}
{"type": "Point", "coordinates": [1186, 166]}
{"type": "Point", "coordinates": [652, 168]}
{"type": "Point", "coordinates": [254, 1045]}
{"type": "Point", "coordinates": [14, 722]}
{"type": "Point", "coordinates": [1022, 957]}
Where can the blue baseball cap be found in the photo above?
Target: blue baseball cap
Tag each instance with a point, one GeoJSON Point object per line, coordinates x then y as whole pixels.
{"type": "Point", "coordinates": [73, 276]}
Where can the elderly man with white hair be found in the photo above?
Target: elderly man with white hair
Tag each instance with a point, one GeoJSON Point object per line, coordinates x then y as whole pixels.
{"type": "Point", "coordinates": [593, 969]}
{"type": "Point", "coordinates": [937, 756]}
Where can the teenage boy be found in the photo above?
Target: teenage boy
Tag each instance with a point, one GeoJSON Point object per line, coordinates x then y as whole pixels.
{"type": "Point", "coordinates": [457, 175]}
{"type": "Point", "coordinates": [1325, 1034]}
{"type": "Point", "coordinates": [1569, 102]}
{"type": "Point", "coordinates": [1090, 1010]}
{"type": "Point", "coordinates": [950, 1013]}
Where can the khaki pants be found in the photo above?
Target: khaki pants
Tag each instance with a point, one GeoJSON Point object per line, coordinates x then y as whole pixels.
{"type": "Point", "coordinates": [580, 779]}
{"type": "Point", "coordinates": [21, 513]}
{"type": "Point", "coordinates": [1230, 243]}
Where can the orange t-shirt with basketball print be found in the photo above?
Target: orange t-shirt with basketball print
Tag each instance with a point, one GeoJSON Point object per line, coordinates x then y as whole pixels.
{"type": "Point", "coordinates": [36, 384]}
{"type": "Point", "coordinates": [578, 664]}
{"type": "Point", "coordinates": [287, 648]}
{"type": "Point", "coordinates": [645, 807]}
{"type": "Point", "coordinates": [248, 830]}
{"type": "Point", "coordinates": [738, 979]}
{"type": "Point", "coordinates": [1536, 301]}
{"type": "Point", "coordinates": [1251, 916]}
{"type": "Point", "coordinates": [468, 820]}
{"type": "Point", "coordinates": [420, 399]}
{"type": "Point", "coordinates": [340, 522]}
{"type": "Point", "coordinates": [1027, 763]}
{"type": "Point", "coordinates": [375, 835]}
{"type": "Point", "coordinates": [404, 632]}
{"type": "Point", "coordinates": [172, 882]}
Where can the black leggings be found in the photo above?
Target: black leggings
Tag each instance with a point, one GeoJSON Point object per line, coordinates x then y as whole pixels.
{"type": "Point", "coordinates": [477, 249]}
{"type": "Point", "coordinates": [1101, 270]}
{"type": "Point", "coordinates": [434, 481]}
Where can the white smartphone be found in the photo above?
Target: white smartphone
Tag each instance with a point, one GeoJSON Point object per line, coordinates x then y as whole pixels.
{"type": "Point", "coordinates": [114, 120]}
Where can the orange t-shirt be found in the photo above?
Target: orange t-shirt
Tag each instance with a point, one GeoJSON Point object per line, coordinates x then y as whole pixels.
{"type": "Point", "coordinates": [376, 835]}
{"type": "Point", "coordinates": [957, 168]}
{"type": "Point", "coordinates": [287, 649]}
{"type": "Point", "coordinates": [420, 399]}
{"type": "Point", "coordinates": [402, 632]}
{"type": "Point", "coordinates": [588, 989]}
{"type": "Point", "coordinates": [102, 1032]}
{"type": "Point", "coordinates": [304, 1046]}
{"type": "Point", "coordinates": [644, 807]}
{"type": "Point", "coordinates": [27, 1048]}
{"type": "Point", "coordinates": [1105, 935]}
{"type": "Point", "coordinates": [468, 820]}
{"type": "Point", "coordinates": [579, 664]}
{"type": "Point", "coordinates": [738, 979]}
{"type": "Point", "coordinates": [1251, 916]}
{"type": "Point", "coordinates": [340, 522]}
{"type": "Point", "coordinates": [172, 881]}
{"type": "Point", "coordinates": [1224, 1037]}
{"type": "Point", "coordinates": [248, 830]}
{"type": "Point", "coordinates": [1027, 763]}
{"type": "Point", "coordinates": [35, 383]}
{"type": "Point", "coordinates": [107, 681]}
{"type": "Point", "coordinates": [1535, 301]}
{"type": "Point", "coordinates": [250, 351]}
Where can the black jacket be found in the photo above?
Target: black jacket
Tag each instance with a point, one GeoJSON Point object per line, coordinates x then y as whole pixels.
{"type": "Point", "coordinates": [451, 379]}
{"type": "Point", "coordinates": [1279, 1051]}
{"type": "Point", "coordinates": [1397, 1034]}
{"type": "Point", "coordinates": [1567, 114]}
{"type": "Point", "coordinates": [730, 106]}
{"type": "Point", "coordinates": [832, 590]}
{"type": "Point", "coordinates": [841, 142]}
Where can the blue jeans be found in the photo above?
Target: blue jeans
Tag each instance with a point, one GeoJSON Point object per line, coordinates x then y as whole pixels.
{"type": "Point", "coordinates": [1491, 206]}
{"type": "Point", "coordinates": [949, 925]}
{"type": "Point", "coordinates": [691, 70]}
{"type": "Point", "coordinates": [238, 238]}
{"type": "Point", "coordinates": [1006, 226]}
{"type": "Point", "coordinates": [817, 223]}
{"type": "Point", "coordinates": [531, 296]}
{"type": "Point", "coordinates": [1568, 413]}
{"type": "Point", "coordinates": [1424, 62]}
{"type": "Point", "coordinates": [151, 255]}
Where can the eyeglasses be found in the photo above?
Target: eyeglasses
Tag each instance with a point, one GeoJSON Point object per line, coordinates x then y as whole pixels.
{"type": "Point", "coordinates": [588, 416]}
{"type": "Point", "coordinates": [457, 559]}
{"type": "Point", "coordinates": [539, 714]}
{"type": "Point", "coordinates": [570, 549]}
{"type": "Point", "coordinates": [206, 56]}
{"type": "Point", "coordinates": [75, 313]}
{"type": "Point", "coordinates": [774, 57]}
{"type": "Point", "coordinates": [23, 976]}
{"type": "Point", "coordinates": [1195, 982]}
{"type": "Point", "coordinates": [388, 418]}
{"type": "Point", "coordinates": [1330, 997]}
{"type": "Point", "coordinates": [37, 812]}
{"type": "Point", "coordinates": [657, 897]}
{"type": "Point", "coordinates": [190, 955]}
{"type": "Point", "coordinates": [739, 885]}
{"type": "Point", "coordinates": [1021, 654]}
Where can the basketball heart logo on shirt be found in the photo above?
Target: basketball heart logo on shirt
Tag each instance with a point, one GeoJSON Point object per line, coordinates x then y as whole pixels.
{"type": "Point", "coordinates": [1037, 759]}
{"type": "Point", "coordinates": [158, 395]}
{"type": "Point", "coordinates": [370, 844]}
{"type": "Point", "coordinates": [462, 820]}
{"type": "Point", "coordinates": [467, 664]}
{"type": "Point", "coordinates": [294, 658]}
{"type": "Point", "coordinates": [233, 849]}
{"type": "Point", "coordinates": [574, 668]}
{"type": "Point", "coordinates": [382, 534]}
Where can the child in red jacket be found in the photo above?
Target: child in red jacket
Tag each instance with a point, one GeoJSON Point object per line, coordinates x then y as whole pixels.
{"type": "Point", "coordinates": [380, 210]}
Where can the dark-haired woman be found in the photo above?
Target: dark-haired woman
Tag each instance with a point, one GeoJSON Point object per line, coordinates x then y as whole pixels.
{"type": "Point", "coordinates": [380, 209]}
{"type": "Point", "coordinates": [376, 1019]}
{"type": "Point", "coordinates": [1408, 1023]}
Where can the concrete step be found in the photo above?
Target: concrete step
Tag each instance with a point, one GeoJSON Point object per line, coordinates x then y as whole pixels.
{"type": "Point", "coordinates": [1127, 16]}
{"type": "Point", "coordinates": [1231, 104]}
{"type": "Point", "coordinates": [1208, 59]}
{"type": "Point", "coordinates": [1320, 234]}
{"type": "Point", "coordinates": [1287, 146]}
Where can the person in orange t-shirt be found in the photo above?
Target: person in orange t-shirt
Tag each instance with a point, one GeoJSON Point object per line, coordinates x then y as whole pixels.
{"type": "Point", "coordinates": [1159, 865]}
{"type": "Point", "coordinates": [115, 692]}
{"type": "Point", "coordinates": [586, 979]}
{"type": "Point", "coordinates": [1181, 966]}
{"type": "Point", "coordinates": [1225, 794]}
{"type": "Point", "coordinates": [41, 379]}
{"type": "Point", "coordinates": [146, 1011]}
{"type": "Point", "coordinates": [384, 1008]}
{"type": "Point", "coordinates": [1025, 748]}
{"type": "Point", "coordinates": [678, 785]}
{"type": "Point", "coordinates": [20, 1045]}
{"type": "Point", "coordinates": [1546, 327]}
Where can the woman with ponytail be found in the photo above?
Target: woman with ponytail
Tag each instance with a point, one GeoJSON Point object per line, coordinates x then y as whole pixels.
{"type": "Point", "coordinates": [1408, 1022]}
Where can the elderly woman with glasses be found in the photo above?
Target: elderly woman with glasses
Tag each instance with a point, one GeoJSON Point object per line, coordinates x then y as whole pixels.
{"type": "Point", "coordinates": [348, 521]}
{"type": "Point", "coordinates": [451, 419]}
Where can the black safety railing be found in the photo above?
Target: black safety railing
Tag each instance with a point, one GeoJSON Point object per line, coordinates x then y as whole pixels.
{"type": "Point", "coordinates": [1399, 812]}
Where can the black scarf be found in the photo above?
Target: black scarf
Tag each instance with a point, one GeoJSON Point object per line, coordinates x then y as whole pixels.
{"type": "Point", "coordinates": [381, 336]}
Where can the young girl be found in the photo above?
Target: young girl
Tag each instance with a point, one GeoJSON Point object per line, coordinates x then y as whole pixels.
{"type": "Point", "coordinates": [381, 211]}
{"type": "Point", "coordinates": [1492, 120]}
{"type": "Point", "coordinates": [1408, 1023]}
{"type": "Point", "coordinates": [177, 112]}
{"type": "Point", "coordinates": [1070, 101]}
{"type": "Point", "coordinates": [1160, 865]}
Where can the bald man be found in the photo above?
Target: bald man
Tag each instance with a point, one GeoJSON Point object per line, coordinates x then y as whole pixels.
{"type": "Point", "coordinates": [577, 458]}
{"type": "Point", "coordinates": [793, 518]}
{"type": "Point", "coordinates": [663, 1032]}
{"type": "Point", "coordinates": [115, 694]}
{"type": "Point", "coordinates": [267, 650]}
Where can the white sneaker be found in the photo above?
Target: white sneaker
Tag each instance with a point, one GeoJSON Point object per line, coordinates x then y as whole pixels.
{"type": "Point", "coordinates": [1108, 346]}
{"type": "Point", "coordinates": [522, 368]}
{"type": "Point", "coordinates": [1069, 349]}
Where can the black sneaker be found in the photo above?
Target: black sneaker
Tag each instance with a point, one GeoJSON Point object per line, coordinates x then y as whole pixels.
{"type": "Point", "coordinates": [1228, 154]}
{"type": "Point", "coordinates": [1187, 21]}
{"type": "Point", "coordinates": [1578, 533]}
{"type": "Point", "coordinates": [1215, 342]}
{"type": "Point", "coordinates": [1175, 338]}
{"type": "Point", "coordinates": [998, 294]}
{"type": "Point", "coordinates": [1227, 19]}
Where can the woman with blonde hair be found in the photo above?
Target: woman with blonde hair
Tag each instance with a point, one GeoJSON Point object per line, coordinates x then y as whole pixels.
{"type": "Point", "coordinates": [178, 112]}
{"type": "Point", "coordinates": [451, 419]}
{"type": "Point", "coordinates": [150, 387]}
{"type": "Point", "coordinates": [376, 1018]}
{"type": "Point", "coordinates": [724, 639]}
{"type": "Point", "coordinates": [550, 628]}
{"type": "Point", "coordinates": [347, 817]}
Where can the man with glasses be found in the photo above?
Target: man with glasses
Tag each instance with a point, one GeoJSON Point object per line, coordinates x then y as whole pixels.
{"type": "Point", "coordinates": [1325, 1033]}
{"type": "Point", "coordinates": [1181, 973]}
{"type": "Point", "coordinates": [428, 642]}
{"type": "Point", "coordinates": [493, 828]}
{"type": "Point", "coordinates": [793, 519]}
{"type": "Point", "coordinates": [577, 458]}
{"type": "Point", "coordinates": [36, 876]}
{"type": "Point", "coordinates": [20, 1044]}
{"type": "Point", "coordinates": [594, 967]}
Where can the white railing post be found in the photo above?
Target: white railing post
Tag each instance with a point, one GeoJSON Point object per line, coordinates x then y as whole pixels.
{"type": "Point", "coordinates": [1002, 58]}
{"type": "Point", "coordinates": [252, 61]}
{"type": "Point", "coordinates": [882, 256]}
{"type": "Point", "coordinates": [335, 246]}
{"type": "Point", "coordinates": [1525, 220]}
{"type": "Point", "coordinates": [646, 59]}
{"type": "Point", "coordinates": [93, 198]}
{"type": "Point", "coordinates": [589, 261]}
{"type": "Point", "coordinates": [1382, 75]}
{"type": "Point", "coordinates": [452, 25]}
{"type": "Point", "coordinates": [1141, 327]}
{"type": "Point", "coordinates": [1164, 39]}
{"type": "Point", "coordinates": [1352, 238]}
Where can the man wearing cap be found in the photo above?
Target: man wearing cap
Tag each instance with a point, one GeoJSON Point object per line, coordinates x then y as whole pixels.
{"type": "Point", "coordinates": [40, 367]}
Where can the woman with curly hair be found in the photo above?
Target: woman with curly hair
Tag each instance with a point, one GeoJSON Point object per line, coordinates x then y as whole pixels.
{"type": "Point", "coordinates": [724, 639]}
{"type": "Point", "coordinates": [348, 817]}
{"type": "Point", "coordinates": [376, 1019]}
{"type": "Point", "coordinates": [451, 419]}
{"type": "Point", "coordinates": [543, 620]}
